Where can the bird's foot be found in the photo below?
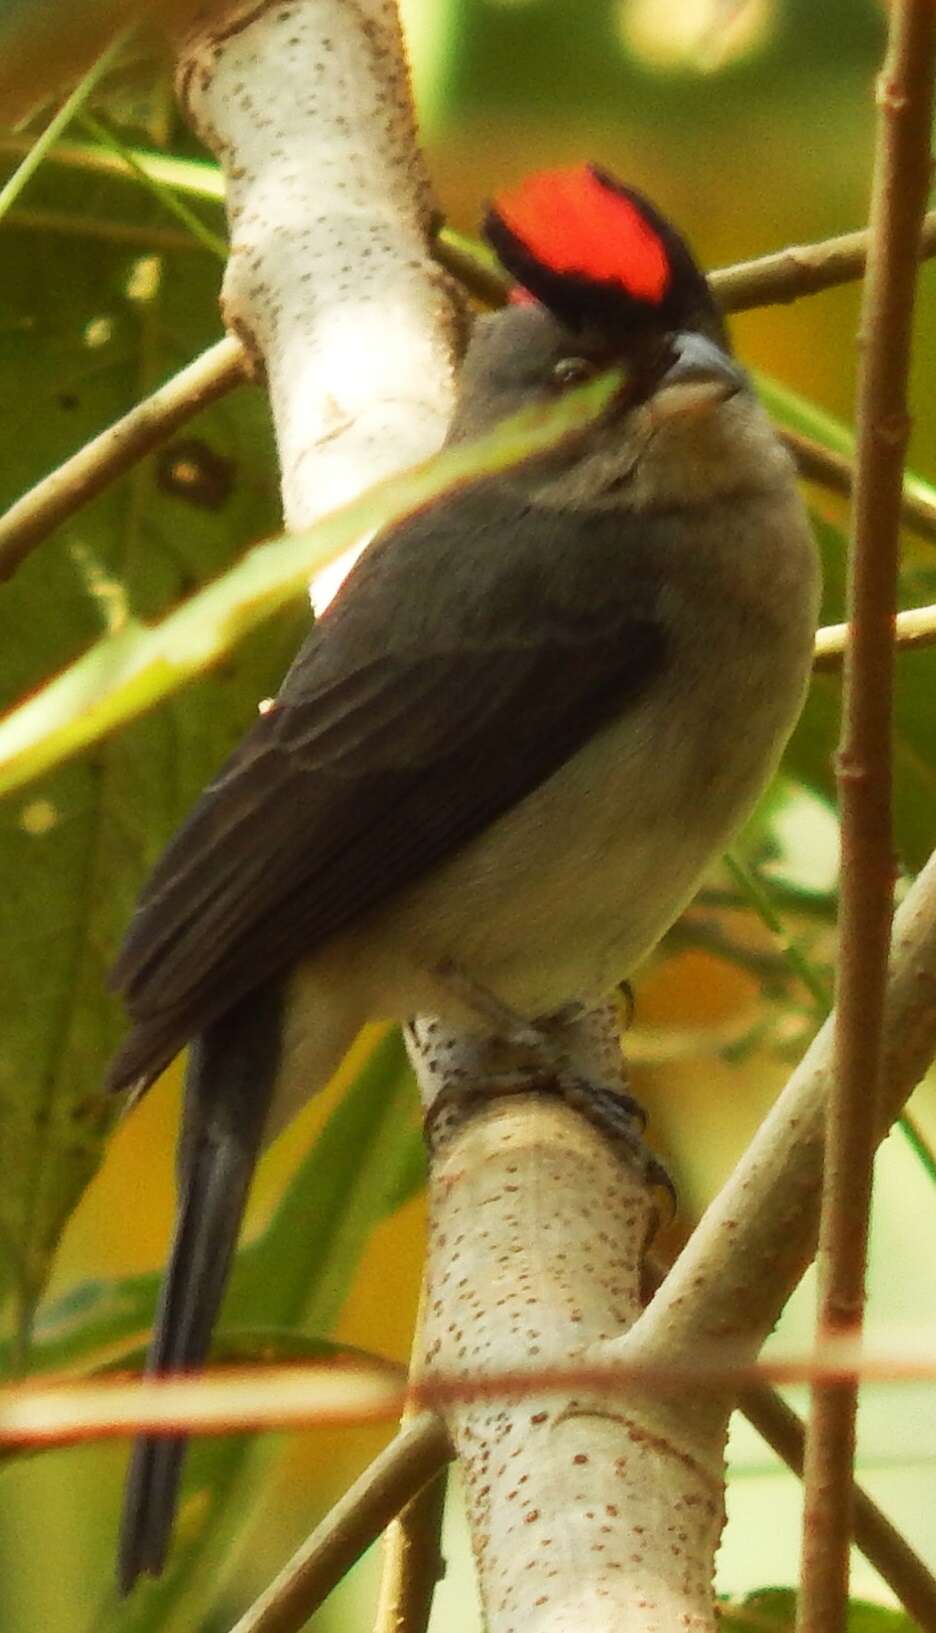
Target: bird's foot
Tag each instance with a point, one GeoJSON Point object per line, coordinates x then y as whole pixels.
{"type": "Point", "coordinates": [539, 1061]}
{"type": "Point", "coordinates": [617, 1116]}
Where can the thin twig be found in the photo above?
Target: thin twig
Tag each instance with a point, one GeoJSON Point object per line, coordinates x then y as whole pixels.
{"type": "Point", "coordinates": [899, 191]}
{"type": "Point", "coordinates": [117, 449]}
{"type": "Point", "coordinates": [101, 461]}
{"type": "Point", "coordinates": [914, 628]}
{"type": "Point", "coordinates": [165, 195]}
{"type": "Point", "coordinates": [879, 1541]}
{"type": "Point", "coordinates": [416, 1454]}
{"type": "Point", "coordinates": [412, 1562]}
{"type": "Point", "coordinates": [159, 240]}
{"type": "Point", "coordinates": [820, 464]}
{"type": "Point", "coordinates": [804, 269]}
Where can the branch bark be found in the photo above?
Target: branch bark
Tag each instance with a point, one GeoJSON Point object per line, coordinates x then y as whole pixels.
{"type": "Point", "coordinates": [536, 1240]}
{"type": "Point", "coordinates": [902, 173]}
{"type": "Point", "coordinates": [785, 276]}
{"type": "Point", "coordinates": [330, 285]}
{"type": "Point", "coordinates": [603, 1509]}
{"type": "Point", "coordinates": [831, 470]}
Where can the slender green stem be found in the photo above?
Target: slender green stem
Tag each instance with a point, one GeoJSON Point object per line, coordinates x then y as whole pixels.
{"type": "Point", "coordinates": [13, 187]}
{"type": "Point", "coordinates": [790, 408]}
{"type": "Point", "coordinates": [755, 892]}
{"type": "Point", "coordinates": [918, 1143]}
{"type": "Point", "coordinates": [155, 185]}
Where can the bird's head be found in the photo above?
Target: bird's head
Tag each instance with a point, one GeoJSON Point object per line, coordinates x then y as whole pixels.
{"type": "Point", "coordinates": [604, 281]}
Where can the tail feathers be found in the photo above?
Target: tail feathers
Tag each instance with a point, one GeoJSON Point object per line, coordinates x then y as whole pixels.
{"type": "Point", "coordinates": [231, 1073]}
{"type": "Point", "coordinates": [206, 1236]}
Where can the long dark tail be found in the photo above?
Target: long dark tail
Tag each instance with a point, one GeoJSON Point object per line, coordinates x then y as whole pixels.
{"type": "Point", "coordinates": [232, 1071]}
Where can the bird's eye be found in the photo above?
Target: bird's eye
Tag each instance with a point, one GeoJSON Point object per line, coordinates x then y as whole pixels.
{"type": "Point", "coordinates": [573, 371]}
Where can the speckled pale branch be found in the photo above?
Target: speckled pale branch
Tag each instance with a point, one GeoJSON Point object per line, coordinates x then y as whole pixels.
{"type": "Point", "coordinates": [330, 284]}
{"type": "Point", "coordinates": [537, 1236]}
{"type": "Point", "coordinates": [602, 1513]}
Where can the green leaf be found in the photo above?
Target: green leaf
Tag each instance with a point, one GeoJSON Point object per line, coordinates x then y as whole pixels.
{"type": "Point", "coordinates": [773, 1610]}
{"type": "Point", "coordinates": [85, 331]}
{"type": "Point", "coordinates": [135, 667]}
{"type": "Point", "coordinates": [296, 1275]}
{"type": "Point", "coordinates": [78, 1330]}
{"type": "Point", "coordinates": [81, 1329]}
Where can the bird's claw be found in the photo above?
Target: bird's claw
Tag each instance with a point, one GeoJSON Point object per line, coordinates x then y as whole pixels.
{"type": "Point", "coordinates": [617, 1116]}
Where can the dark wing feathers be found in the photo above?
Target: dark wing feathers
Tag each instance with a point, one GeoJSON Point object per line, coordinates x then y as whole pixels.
{"type": "Point", "coordinates": [366, 772]}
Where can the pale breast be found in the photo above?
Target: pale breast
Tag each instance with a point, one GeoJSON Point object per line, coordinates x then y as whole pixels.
{"type": "Point", "coordinates": [562, 896]}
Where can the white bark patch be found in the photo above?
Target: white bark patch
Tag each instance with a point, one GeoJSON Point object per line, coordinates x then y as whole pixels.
{"type": "Point", "coordinates": [581, 1515]}
{"type": "Point", "coordinates": [307, 105]}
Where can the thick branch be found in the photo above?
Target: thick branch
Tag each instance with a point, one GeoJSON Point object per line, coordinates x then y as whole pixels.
{"type": "Point", "coordinates": [330, 280]}
{"type": "Point", "coordinates": [538, 1227]}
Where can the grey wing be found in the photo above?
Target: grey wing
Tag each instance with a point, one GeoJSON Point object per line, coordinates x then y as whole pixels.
{"type": "Point", "coordinates": [363, 775]}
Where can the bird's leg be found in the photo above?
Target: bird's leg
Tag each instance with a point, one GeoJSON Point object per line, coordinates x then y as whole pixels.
{"type": "Point", "coordinates": [529, 1057]}
{"type": "Point", "coordinates": [485, 1004]}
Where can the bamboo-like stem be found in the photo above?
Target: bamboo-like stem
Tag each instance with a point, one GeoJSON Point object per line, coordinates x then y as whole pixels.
{"type": "Point", "coordinates": [899, 191]}
{"type": "Point", "coordinates": [411, 1562]}
{"type": "Point", "coordinates": [413, 1457]}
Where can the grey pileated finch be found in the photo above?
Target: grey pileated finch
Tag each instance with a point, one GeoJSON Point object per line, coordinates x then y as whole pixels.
{"type": "Point", "coordinates": [532, 715]}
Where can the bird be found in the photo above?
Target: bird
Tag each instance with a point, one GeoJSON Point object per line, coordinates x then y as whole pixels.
{"type": "Point", "coordinates": [533, 714]}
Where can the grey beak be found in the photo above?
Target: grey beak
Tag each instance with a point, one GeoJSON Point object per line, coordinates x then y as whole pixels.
{"type": "Point", "coordinates": [700, 362]}
{"type": "Point", "coordinates": [700, 377]}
